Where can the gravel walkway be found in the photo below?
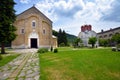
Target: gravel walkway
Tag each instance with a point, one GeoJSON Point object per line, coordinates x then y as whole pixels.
{"type": "Point", "coordinates": [24, 67]}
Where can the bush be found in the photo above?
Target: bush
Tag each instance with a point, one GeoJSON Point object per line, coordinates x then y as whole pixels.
{"type": "Point", "coordinates": [42, 50]}
{"type": "Point", "coordinates": [55, 50]}
{"type": "Point", "coordinates": [0, 57]}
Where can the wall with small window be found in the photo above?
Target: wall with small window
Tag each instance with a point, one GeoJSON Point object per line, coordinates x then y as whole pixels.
{"type": "Point", "coordinates": [22, 31]}
{"type": "Point", "coordinates": [33, 24]}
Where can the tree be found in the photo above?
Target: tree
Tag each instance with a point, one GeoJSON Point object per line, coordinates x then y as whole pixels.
{"type": "Point", "coordinates": [77, 42]}
{"type": "Point", "coordinates": [59, 37]}
{"type": "Point", "coordinates": [64, 37]}
{"type": "Point", "coordinates": [116, 38]}
{"type": "Point", "coordinates": [103, 42]}
{"type": "Point", "coordinates": [92, 40]}
{"type": "Point", "coordinates": [7, 18]}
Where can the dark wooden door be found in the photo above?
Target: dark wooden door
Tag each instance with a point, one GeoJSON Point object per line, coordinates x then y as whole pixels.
{"type": "Point", "coordinates": [33, 43]}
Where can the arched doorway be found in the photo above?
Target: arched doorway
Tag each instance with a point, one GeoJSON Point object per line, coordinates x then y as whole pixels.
{"type": "Point", "coordinates": [33, 40]}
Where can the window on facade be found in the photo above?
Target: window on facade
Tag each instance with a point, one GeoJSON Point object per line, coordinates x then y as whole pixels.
{"type": "Point", "coordinates": [33, 24]}
{"type": "Point", "coordinates": [110, 35]}
{"type": "Point", "coordinates": [43, 31]}
{"type": "Point", "coordinates": [22, 31]}
{"type": "Point", "coordinates": [105, 36]}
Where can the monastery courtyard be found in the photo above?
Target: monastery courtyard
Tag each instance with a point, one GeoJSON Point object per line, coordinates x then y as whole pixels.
{"type": "Point", "coordinates": [24, 67]}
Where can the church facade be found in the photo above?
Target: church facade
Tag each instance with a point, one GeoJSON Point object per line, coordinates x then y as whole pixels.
{"type": "Point", "coordinates": [34, 30]}
{"type": "Point", "coordinates": [86, 33]}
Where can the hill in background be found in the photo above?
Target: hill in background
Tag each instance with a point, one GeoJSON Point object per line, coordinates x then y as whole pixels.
{"type": "Point", "coordinates": [70, 37]}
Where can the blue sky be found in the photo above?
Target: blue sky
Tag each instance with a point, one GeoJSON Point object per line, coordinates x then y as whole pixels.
{"type": "Point", "coordinates": [70, 15]}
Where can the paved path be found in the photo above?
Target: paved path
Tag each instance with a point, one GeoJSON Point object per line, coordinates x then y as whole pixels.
{"type": "Point", "coordinates": [24, 67]}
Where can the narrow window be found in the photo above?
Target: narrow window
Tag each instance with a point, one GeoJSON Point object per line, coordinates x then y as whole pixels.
{"type": "Point", "coordinates": [22, 31]}
{"type": "Point", "coordinates": [33, 24]}
{"type": "Point", "coordinates": [43, 31]}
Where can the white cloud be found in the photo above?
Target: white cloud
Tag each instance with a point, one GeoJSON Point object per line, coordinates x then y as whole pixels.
{"type": "Point", "coordinates": [56, 9]}
{"type": "Point", "coordinates": [79, 12]}
{"type": "Point", "coordinates": [25, 1]}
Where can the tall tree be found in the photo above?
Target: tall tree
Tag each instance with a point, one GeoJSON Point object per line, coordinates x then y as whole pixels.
{"type": "Point", "coordinates": [92, 41]}
{"type": "Point", "coordinates": [64, 37]}
{"type": "Point", "coordinates": [7, 18]}
{"type": "Point", "coordinates": [59, 37]}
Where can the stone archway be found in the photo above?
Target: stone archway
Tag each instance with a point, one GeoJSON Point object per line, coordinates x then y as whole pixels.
{"type": "Point", "coordinates": [33, 40]}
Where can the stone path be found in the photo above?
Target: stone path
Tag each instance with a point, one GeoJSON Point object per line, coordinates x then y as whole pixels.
{"type": "Point", "coordinates": [24, 67]}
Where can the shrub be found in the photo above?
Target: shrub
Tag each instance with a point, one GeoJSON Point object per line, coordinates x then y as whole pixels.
{"type": "Point", "coordinates": [55, 50]}
{"type": "Point", "coordinates": [42, 50]}
{"type": "Point", "coordinates": [0, 57]}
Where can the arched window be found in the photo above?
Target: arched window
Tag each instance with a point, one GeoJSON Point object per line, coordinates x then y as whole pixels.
{"type": "Point", "coordinates": [33, 24]}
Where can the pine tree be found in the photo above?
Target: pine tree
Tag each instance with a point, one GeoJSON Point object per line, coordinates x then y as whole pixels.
{"type": "Point", "coordinates": [59, 37]}
{"type": "Point", "coordinates": [7, 18]}
{"type": "Point", "coordinates": [64, 38]}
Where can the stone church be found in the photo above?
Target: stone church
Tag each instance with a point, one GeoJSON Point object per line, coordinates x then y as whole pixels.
{"type": "Point", "coordinates": [34, 30]}
{"type": "Point", "coordinates": [86, 33]}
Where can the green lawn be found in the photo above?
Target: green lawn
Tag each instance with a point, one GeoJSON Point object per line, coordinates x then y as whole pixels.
{"type": "Point", "coordinates": [82, 64]}
{"type": "Point", "coordinates": [7, 58]}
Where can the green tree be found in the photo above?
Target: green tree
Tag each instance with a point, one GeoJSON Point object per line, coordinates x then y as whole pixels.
{"type": "Point", "coordinates": [103, 42]}
{"type": "Point", "coordinates": [7, 18]}
{"type": "Point", "coordinates": [116, 38]}
{"type": "Point", "coordinates": [55, 33]}
{"type": "Point", "coordinates": [64, 38]}
{"type": "Point", "coordinates": [60, 37]}
{"type": "Point", "coordinates": [77, 42]}
{"type": "Point", "coordinates": [92, 40]}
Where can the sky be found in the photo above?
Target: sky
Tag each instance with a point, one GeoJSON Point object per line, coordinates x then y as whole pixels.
{"type": "Point", "coordinates": [70, 15]}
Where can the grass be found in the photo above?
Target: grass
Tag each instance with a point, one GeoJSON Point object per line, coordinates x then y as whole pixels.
{"type": "Point", "coordinates": [7, 58]}
{"type": "Point", "coordinates": [80, 64]}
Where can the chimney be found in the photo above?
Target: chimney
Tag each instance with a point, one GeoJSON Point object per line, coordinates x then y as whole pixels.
{"type": "Point", "coordinates": [102, 30]}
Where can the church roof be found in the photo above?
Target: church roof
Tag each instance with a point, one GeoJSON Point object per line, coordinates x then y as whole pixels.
{"type": "Point", "coordinates": [33, 9]}
{"type": "Point", "coordinates": [109, 30]}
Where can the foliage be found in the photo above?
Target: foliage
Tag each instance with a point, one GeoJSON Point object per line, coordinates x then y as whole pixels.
{"type": "Point", "coordinates": [78, 42]}
{"type": "Point", "coordinates": [118, 46]}
{"type": "Point", "coordinates": [7, 18]}
{"type": "Point", "coordinates": [62, 37]}
{"type": "Point", "coordinates": [61, 45]}
{"type": "Point", "coordinates": [0, 57]}
{"type": "Point", "coordinates": [55, 50]}
{"type": "Point", "coordinates": [70, 38]}
{"type": "Point", "coordinates": [116, 38]}
{"type": "Point", "coordinates": [92, 40]}
{"type": "Point", "coordinates": [80, 64]}
{"type": "Point", "coordinates": [42, 50]}
{"type": "Point", "coordinates": [103, 42]}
